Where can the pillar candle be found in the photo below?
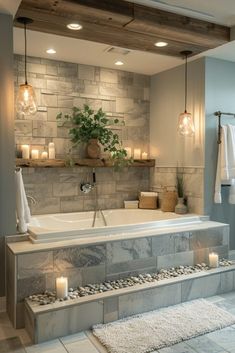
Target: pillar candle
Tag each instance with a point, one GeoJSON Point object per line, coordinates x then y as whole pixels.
{"type": "Point", "coordinates": [61, 287]}
{"type": "Point", "coordinates": [44, 155]}
{"type": "Point", "coordinates": [144, 155]}
{"type": "Point", "coordinates": [25, 151]}
{"type": "Point", "coordinates": [34, 154]}
{"type": "Point", "coordinates": [137, 153]}
{"type": "Point", "coordinates": [51, 149]}
{"type": "Point", "coordinates": [213, 260]}
{"type": "Point", "coordinates": [128, 151]}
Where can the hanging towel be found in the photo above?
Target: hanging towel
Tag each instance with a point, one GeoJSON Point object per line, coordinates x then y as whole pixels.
{"type": "Point", "coordinates": [231, 198]}
{"type": "Point", "coordinates": [22, 207]}
{"type": "Point", "coordinates": [222, 171]}
{"type": "Point", "coordinates": [231, 150]}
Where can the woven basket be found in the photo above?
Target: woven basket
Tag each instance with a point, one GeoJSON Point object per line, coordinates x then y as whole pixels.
{"type": "Point", "coordinates": [149, 202]}
{"type": "Point", "coordinates": [169, 201]}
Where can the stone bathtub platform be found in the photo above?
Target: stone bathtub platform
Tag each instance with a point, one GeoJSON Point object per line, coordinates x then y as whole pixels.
{"type": "Point", "coordinates": [32, 269]}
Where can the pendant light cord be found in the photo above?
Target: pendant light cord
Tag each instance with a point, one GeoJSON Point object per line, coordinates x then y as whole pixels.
{"type": "Point", "coordinates": [25, 56]}
{"type": "Point", "coordinates": [186, 83]}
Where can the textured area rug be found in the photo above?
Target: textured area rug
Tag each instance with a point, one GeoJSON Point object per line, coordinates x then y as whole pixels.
{"type": "Point", "coordinates": [162, 328]}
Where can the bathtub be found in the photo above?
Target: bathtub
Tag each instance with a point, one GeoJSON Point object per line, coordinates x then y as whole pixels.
{"type": "Point", "coordinates": [65, 226]}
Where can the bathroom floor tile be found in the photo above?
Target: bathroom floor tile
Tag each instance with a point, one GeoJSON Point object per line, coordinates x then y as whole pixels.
{"type": "Point", "coordinates": [81, 346]}
{"type": "Point", "coordinates": [10, 345]}
{"type": "Point", "coordinates": [54, 346]}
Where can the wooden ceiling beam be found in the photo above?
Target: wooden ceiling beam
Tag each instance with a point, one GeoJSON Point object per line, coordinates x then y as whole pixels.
{"type": "Point", "coordinates": [124, 24]}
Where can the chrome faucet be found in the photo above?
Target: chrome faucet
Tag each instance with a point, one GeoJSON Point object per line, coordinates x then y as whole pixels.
{"type": "Point", "coordinates": [86, 187]}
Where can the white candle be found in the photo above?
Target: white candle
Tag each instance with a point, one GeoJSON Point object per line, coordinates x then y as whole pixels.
{"type": "Point", "coordinates": [44, 155]}
{"type": "Point", "coordinates": [137, 153]}
{"type": "Point", "coordinates": [51, 149]}
{"type": "Point", "coordinates": [34, 154]}
{"type": "Point", "coordinates": [213, 260]}
{"type": "Point", "coordinates": [25, 151]}
{"type": "Point", "coordinates": [128, 151]}
{"type": "Point", "coordinates": [61, 287]}
{"type": "Point", "coordinates": [144, 155]}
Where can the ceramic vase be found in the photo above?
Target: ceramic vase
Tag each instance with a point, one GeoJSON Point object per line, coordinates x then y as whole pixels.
{"type": "Point", "coordinates": [93, 149]}
{"type": "Point", "coordinates": [181, 208]}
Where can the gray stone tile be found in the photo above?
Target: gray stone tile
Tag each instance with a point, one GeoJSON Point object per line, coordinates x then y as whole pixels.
{"type": "Point", "coordinates": [173, 260]}
{"type": "Point", "coordinates": [177, 348]}
{"type": "Point", "coordinates": [30, 285]}
{"type": "Point", "coordinates": [146, 300]}
{"type": "Point", "coordinates": [163, 244]}
{"type": "Point", "coordinates": [126, 250]}
{"type": "Point", "coordinates": [84, 345]}
{"type": "Point", "coordinates": [203, 344]}
{"type": "Point", "coordinates": [34, 264]}
{"type": "Point", "coordinates": [224, 338]}
{"type": "Point", "coordinates": [79, 257]}
{"type": "Point", "coordinates": [65, 189]}
{"type": "Point", "coordinates": [66, 320]}
{"type": "Point", "coordinates": [93, 274]}
{"type": "Point", "coordinates": [131, 266]}
{"type": "Point", "coordinates": [54, 346]}
{"type": "Point", "coordinates": [206, 238]}
{"type": "Point", "coordinates": [182, 242]}
{"type": "Point", "coordinates": [201, 287]}
{"type": "Point", "coordinates": [227, 281]}
{"type": "Point", "coordinates": [110, 309]}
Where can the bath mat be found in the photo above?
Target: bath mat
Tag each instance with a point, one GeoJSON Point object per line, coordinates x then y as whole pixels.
{"type": "Point", "coordinates": [11, 345]}
{"type": "Point", "coordinates": [150, 331]}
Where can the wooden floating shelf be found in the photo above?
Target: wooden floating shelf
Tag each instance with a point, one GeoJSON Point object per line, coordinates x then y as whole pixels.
{"type": "Point", "coordinates": [86, 162]}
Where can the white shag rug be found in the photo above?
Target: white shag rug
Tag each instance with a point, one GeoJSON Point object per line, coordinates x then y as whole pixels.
{"type": "Point", "coordinates": [162, 328]}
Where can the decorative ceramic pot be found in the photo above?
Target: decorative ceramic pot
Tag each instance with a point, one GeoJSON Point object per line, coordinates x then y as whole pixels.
{"type": "Point", "coordinates": [93, 149]}
{"type": "Point", "coordinates": [181, 208]}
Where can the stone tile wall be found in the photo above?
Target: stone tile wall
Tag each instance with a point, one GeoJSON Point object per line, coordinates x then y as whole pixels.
{"type": "Point", "coordinates": [193, 177]}
{"type": "Point", "coordinates": [59, 86]}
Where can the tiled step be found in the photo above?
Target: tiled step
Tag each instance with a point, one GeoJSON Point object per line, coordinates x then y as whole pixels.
{"type": "Point", "coordinates": [63, 318]}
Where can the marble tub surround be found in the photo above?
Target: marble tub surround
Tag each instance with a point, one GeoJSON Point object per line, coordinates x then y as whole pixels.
{"type": "Point", "coordinates": [90, 289]}
{"type": "Point", "coordinates": [45, 322]}
{"type": "Point", "coordinates": [32, 268]}
{"type": "Point", "coordinates": [193, 178]}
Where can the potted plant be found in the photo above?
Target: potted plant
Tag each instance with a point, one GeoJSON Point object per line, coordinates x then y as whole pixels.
{"type": "Point", "coordinates": [94, 129]}
{"type": "Point", "coordinates": [180, 208]}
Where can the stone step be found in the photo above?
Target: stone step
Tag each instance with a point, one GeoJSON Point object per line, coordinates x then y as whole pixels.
{"type": "Point", "coordinates": [46, 322]}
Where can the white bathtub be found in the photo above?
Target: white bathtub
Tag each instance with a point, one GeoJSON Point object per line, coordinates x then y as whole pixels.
{"type": "Point", "coordinates": [64, 226]}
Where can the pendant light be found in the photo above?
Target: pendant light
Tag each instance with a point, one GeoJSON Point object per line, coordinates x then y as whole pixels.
{"type": "Point", "coordinates": [26, 102]}
{"type": "Point", "coordinates": [185, 123]}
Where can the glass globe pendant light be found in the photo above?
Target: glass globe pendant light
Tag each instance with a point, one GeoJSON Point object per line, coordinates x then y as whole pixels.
{"type": "Point", "coordinates": [26, 103]}
{"type": "Point", "coordinates": [185, 122]}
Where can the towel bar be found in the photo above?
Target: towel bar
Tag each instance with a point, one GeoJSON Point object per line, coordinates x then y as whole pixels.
{"type": "Point", "coordinates": [218, 114]}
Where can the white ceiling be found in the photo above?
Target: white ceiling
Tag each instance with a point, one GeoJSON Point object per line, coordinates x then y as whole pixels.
{"type": "Point", "coordinates": [91, 53]}
{"type": "Point", "coordinates": [9, 6]}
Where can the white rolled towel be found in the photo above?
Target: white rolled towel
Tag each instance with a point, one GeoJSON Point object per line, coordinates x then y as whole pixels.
{"type": "Point", "coordinates": [231, 198]}
{"type": "Point", "coordinates": [22, 207]}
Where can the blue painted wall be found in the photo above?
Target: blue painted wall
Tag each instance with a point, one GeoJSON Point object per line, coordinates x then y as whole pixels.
{"type": "Point", "coordinates": [219, 95]}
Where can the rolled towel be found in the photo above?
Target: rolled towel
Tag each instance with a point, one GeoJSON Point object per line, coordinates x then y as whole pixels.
{"type": "Point", "coordinates": [22, 207]}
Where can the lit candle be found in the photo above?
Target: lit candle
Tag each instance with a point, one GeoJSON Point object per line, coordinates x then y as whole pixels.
{"type": "Point", "coordinates": [51, 149]}
{"type": "Point", "coordinates": [128, 151]}
{"type": "Point", "coordinates": [144, 155]}
{"type": "Point", "coordinates": [25, 151]}
{"type": "Point", "coordinates": [34, 154]}
{"type": "Point", "coordinates": [44, 155]}
{"type": "Point", "coordinates": [137, 153]}
{"type": "Point", "coordinates": [61, 287]}
{"type": "Point", "coordinates": [213, 260]}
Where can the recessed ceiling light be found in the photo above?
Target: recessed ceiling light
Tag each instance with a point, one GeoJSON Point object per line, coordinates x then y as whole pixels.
{"type": "Point", "coordinates": [161, 44]}
{"type": "Point", "coordinates": [74, 26]}
{"type": "Point", "coordinates": [119, 63]}
{"type": "Point", "coordinates": [51, 51]}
